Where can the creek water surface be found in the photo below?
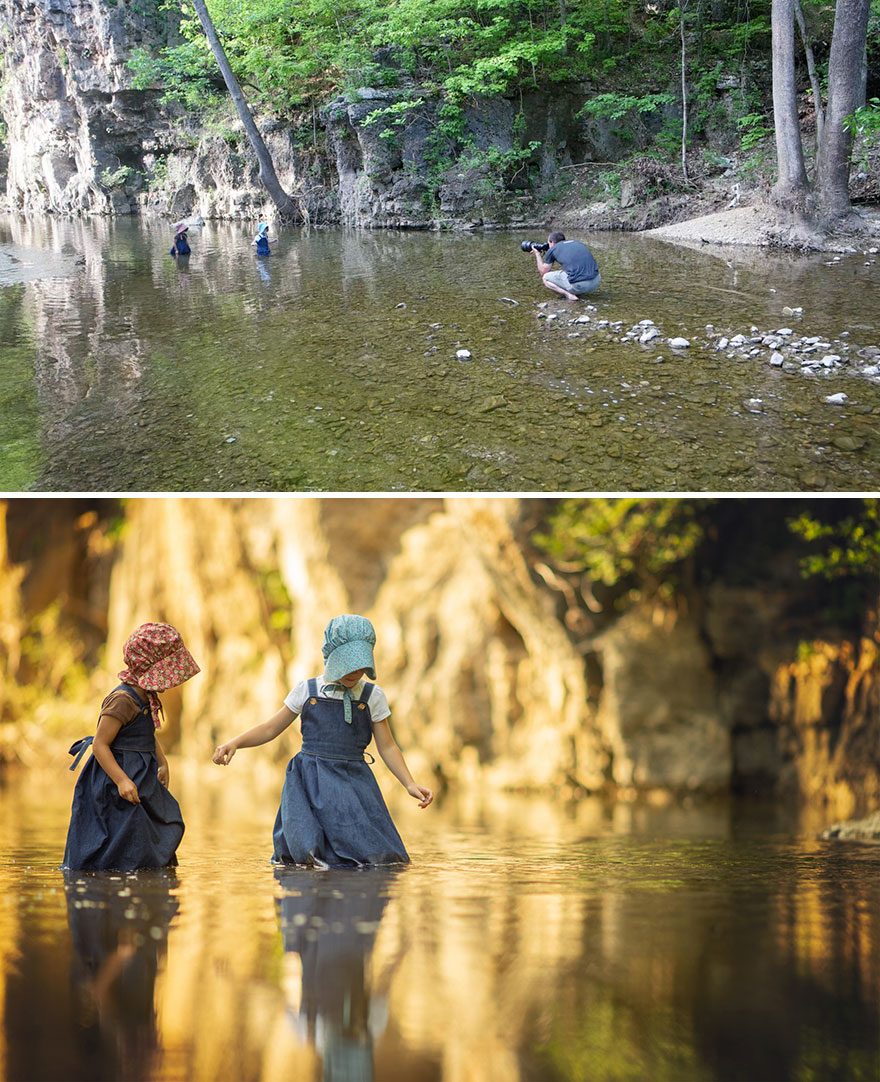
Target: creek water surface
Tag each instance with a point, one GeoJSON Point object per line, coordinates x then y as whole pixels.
{"type": "Point", "coordinates": [333, 365]}
{"type": "Point", "coordinates": [528, 941]}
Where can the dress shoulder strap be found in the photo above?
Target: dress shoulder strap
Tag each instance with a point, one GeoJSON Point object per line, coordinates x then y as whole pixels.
{"type": "Point", "coordinates": [366, 693]}
{"type": "Point", "coordinates": [313, 687]}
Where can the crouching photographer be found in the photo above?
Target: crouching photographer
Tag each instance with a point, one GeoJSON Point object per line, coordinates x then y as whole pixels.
{"type": "Point", "coordinates": [577, 272]}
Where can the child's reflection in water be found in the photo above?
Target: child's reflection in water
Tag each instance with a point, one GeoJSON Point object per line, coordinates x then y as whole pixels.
{"type": "Point", "coordinates": [119, 927]}
{"type": "Point", "coordinates": [330, 919]}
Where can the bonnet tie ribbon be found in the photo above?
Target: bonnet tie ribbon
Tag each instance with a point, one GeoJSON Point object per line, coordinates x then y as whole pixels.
{"type": "Point", "coordinates": [79, 749]}
{"type": "Point", "coordinates": [346, 700]}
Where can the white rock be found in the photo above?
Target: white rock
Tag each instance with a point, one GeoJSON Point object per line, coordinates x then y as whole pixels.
{"type": "Point", "coordinates": [463, 354]}
{"type": "Point", "coordinates": [679, 343]}
{"type": "Point", "coordinates": [786, 332]}
{"type": "Point", "coordinates": [777, 359]}
{"type": "Point", "coordinates": [722, 343]}
{"type": "Point", "coordinates": [831, 359]}
{"type": "Point", "coordinates": [738, 340]}
{"type": "Point", "coordinates": [648, 334]}
{"type": "Point", "coordinates": [836, 399]}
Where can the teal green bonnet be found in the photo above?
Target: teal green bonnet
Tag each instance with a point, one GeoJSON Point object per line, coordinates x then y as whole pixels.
{"type": "Point", "coordinates": [348, 646]}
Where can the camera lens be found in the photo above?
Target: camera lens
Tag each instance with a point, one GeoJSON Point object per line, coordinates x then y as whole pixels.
{"type": "Point", "coordinates": [526, 245]}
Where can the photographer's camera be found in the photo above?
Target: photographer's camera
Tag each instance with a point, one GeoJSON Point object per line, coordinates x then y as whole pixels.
{"type": "Point", "coordinates": [534, 246]}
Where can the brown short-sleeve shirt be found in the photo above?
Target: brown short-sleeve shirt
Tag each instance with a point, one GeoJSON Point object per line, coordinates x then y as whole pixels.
{"type": "Point", "coordinates": [120, 705]}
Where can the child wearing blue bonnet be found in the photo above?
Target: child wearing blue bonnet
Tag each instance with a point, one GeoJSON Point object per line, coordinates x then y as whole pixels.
{"type": "Point", "coordinates": [332, 814]}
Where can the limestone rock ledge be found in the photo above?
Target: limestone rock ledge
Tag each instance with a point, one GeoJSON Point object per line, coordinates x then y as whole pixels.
{"type": "Point", "coordinates": [79, 135]}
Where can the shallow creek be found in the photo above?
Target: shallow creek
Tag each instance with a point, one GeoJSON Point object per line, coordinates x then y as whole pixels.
{"type": "Point", "coordinates": [528, 941]}
{"type": "Point", "coordinates": [425, 362]}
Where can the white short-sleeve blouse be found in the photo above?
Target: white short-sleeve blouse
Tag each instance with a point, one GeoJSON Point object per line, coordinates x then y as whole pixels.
{"type": "Point", "coordinates": [379, 708]}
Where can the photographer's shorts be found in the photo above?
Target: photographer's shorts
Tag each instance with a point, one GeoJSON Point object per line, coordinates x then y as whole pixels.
{"type": "Point", "coordinates": [560, 278]}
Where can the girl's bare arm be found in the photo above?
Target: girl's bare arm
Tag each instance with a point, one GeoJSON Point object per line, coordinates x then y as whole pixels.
{"type": "Point", "coordinates": [252, 738]}
{"type": "Point", "coordinates": [108, 729]}
{"type": "Point", "coordinates": [164, 775]}
{"type": "Point", "coordinates": [392, 756]}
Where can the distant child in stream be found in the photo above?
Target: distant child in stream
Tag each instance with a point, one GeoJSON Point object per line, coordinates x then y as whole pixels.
{"type": "Point", "coordinates": [123, 816]}
{"type": "Point", "coordinates": [261, 240]}
{"type": "Point", "coordinates": [180, 245]}
{"type": "Point", "coordinates": [332, 814]}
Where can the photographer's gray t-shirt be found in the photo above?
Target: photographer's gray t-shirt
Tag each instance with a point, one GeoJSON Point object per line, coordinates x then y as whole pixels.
{"type": "Point", "coordinates": [575, 258]}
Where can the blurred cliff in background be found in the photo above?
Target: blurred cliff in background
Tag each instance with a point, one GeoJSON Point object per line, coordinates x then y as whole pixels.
{"type": "Point", "coordinates": [670, 647]}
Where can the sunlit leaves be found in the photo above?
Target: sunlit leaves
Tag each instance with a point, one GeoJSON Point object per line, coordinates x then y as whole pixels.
{"type": "Point", "coordinates": [848, 546]}
{"type": "Point", "coordinates": [612, 539]}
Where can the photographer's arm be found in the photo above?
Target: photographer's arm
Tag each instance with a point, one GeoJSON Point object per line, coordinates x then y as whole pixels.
{"type": "Point", "coordinates": [542, 266]}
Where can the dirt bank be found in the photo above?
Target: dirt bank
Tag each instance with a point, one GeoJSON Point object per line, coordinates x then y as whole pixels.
{"type": "Point", "coordinates": [716, 211]}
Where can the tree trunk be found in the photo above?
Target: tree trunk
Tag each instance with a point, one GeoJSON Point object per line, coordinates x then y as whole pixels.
{"type": "Point", "coordinates": [287, 209]}
{"type": "Point", "coordinates": [811, 71]}
{"type": "Point", "coordinates": [844, 86]}
{"type": "Point", "coordinates": [684, 100]}
{"type": "Point", "coordinates": [791, 192]}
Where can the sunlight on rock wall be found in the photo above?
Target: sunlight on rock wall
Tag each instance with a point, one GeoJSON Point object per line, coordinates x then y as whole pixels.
{"type": "Point", "coordinates": [478, 670]}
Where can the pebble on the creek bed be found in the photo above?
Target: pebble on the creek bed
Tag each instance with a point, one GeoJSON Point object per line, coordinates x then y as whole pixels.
{"type": "Point", "coordinates": [836, 399]}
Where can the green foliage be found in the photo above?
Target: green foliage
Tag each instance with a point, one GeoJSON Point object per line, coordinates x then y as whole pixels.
{"type": "Point", "coordinates": [611, 182]}
{"type": "Point", "coordinates": [610, 540]}
{"type": "Point", "coordinates": [116, 178]}
{"type": "Point", "coordinates": [500, 167]}
{"type": "Point", "coordinates": [843, 546]}
{"type": "Point", "coordinates": [614, 106]}
{"type": "Point", "coordinates": [294, 57]}
{"type": "Point", "coordinates": [187, 73]}
{"type": "Point", "coordinates": [755, 129]}
{"type": "Point", "coordinates": [864, 127]}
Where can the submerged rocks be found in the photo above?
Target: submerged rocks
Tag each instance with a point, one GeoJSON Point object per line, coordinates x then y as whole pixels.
{"type": "Point", "coordinates": [810, 355]}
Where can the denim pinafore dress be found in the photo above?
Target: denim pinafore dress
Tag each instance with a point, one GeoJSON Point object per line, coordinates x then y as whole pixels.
{"type": "Point", "coordinates": [332, 814]}
{"type": "Point", "coordinates": [108, 833]}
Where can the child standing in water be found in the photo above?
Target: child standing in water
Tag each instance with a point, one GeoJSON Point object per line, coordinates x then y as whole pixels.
{"type": "Point", "coordinates": [332, 814]}
{"type": "Point", "coordinates": [123, 816]}
{"type": "Point", "coordinates": [180, 245]}
{"type": "Point", "coordinates": [261, 240]}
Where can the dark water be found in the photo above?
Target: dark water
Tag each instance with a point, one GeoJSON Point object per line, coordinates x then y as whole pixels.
{"type": "Point", "coordinates": [332, 366]}
{"type": "Point", "coordinates": [528, 941]}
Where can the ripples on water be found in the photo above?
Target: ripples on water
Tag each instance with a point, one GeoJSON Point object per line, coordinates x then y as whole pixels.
{"type": "Point", "coordinates": [332, 366]}
{"type": "Point", "coordinates": [528, 941]}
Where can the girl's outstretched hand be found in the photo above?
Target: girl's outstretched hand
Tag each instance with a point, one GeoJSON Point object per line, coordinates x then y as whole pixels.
{"type": "Point", "coordinates": [223, 754]}
{"type": "Point", "coordinates": [423, 796]}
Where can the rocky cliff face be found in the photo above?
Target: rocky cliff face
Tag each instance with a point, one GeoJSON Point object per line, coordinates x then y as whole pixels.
{"type": "Point", "coordinates": [81, 139]}
{"type": "Point", "coordinates": [488, 684]}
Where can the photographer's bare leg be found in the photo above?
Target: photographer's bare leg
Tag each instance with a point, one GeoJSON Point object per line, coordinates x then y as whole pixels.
{"type": "Point", "coordinates": [558, 289]}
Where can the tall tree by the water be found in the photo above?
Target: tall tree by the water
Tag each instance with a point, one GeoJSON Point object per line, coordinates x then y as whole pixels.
{"type": "Point", "coordinates": [845, 71]}
{"type": "Point", "coordinates": [285, 205]}
{"type": "Point", "coordinates": [830, 203]}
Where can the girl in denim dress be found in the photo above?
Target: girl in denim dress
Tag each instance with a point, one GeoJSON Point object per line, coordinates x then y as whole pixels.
{"type": "Point", "coordinates": [332, 814]}
{"type": "Point", "coordinates": [123, 817]}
